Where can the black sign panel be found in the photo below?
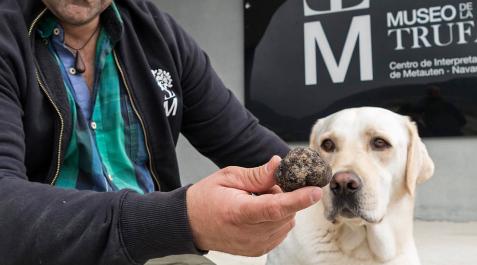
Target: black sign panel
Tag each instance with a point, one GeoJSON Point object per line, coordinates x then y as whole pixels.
{"type": "Point", "coordinates": [306, 59]}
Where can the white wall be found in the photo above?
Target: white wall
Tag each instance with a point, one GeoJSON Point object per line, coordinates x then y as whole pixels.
{"type": "Point", "coordinates": [217, 25]}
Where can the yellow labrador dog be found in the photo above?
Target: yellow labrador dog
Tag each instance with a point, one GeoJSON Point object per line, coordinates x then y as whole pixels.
{"type": "Point", "coordinates": [365, 216]}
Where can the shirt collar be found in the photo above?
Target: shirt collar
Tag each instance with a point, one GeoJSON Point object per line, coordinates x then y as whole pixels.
{"type": "Point", "coordinates": [110, 20]}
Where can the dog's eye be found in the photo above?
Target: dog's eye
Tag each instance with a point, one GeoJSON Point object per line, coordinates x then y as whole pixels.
{"type": "Point", "coordinates": [380, 144]}
{"type": "Point", "coordinates": [328, 146]}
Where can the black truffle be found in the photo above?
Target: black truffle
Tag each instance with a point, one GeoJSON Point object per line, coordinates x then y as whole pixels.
{"type": "Point", "coordinates": [302, 167]}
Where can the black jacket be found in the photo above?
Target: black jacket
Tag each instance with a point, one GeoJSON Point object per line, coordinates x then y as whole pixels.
{"type": "Point", "coordinates": [41, 224]}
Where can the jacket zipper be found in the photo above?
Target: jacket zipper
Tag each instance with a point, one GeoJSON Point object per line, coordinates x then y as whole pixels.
{"type": "Point", "coordinates": [133, 104]}
{"type": "Point", "coordinates": [43, 88]}
{"type": "Point", "coordinates": [62, 127]}
{"type": "Point", "coordinates": [33, 24]}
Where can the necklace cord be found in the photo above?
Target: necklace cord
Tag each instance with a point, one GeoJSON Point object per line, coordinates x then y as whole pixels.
{"type": "Point", "coordinates": [80, 66]}
{"type": "Point", "coordinates": [86, 43]}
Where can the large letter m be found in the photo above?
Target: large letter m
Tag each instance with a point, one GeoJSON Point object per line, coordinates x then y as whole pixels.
{"type": "Point", "coordinates": [315, 37]}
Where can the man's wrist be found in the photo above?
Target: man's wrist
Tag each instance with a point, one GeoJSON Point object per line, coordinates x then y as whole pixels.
{"type": "Point", "coordinates": [156, 225]}
{"type": "Point", "coordinates": [198, 238]}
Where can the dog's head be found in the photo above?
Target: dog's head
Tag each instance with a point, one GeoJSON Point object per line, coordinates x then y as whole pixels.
{"type": "Point", "coordinates": [376, 157]}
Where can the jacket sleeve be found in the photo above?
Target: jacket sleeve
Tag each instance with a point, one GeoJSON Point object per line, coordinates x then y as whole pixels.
{"type": "Point", "coordinates": [214, 121]}
{"type": "Point", "coordinates": [41, 224]}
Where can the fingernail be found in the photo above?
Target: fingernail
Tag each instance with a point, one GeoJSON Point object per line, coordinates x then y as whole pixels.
{"type": "Point", "coordinates": [315, 195]}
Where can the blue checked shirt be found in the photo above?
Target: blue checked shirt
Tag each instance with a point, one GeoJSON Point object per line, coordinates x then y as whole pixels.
{"type": "Point", "coordinates": [107, 150]}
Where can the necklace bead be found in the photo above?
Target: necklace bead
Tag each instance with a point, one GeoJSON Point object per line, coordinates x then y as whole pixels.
{"type": "Point", "coordinates": [80, 66]}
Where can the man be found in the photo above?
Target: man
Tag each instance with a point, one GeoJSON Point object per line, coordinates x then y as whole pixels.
{"type": "Point", "coordinates": [93, 96]}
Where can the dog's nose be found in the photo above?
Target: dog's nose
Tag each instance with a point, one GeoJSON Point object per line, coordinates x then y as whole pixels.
{"type": "Point", "coordinates": [344, 183]}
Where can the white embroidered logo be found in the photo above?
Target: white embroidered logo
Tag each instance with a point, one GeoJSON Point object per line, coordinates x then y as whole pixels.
{"type": "Point", "coordinates": [164, 81]}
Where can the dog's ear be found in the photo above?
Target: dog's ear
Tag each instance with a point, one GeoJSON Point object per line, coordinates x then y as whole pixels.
{"type": "Point", "coordinates": [315, 132]}
{"type": "Point", "coordinates": [419, 166]}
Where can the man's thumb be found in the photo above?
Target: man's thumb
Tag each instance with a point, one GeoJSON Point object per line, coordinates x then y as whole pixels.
{"type": "Point", "coordinates": [259, 179]}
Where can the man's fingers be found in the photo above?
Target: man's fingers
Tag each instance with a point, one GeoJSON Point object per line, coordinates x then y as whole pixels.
{"type": "Point", "coordinates": [278, 236]}
{"type": "Point", "coordinates": [274, 207]}
{"type": "Point", "coordinates": [283, 230]}
{"type": "Point", "coordinates": [256, 180]}
{"type": "Point", "coordinates": [275, 190]}
{"type": "Point", "coordinates": [273, 226]}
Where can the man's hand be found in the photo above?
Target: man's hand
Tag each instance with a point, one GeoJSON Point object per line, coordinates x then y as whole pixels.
{"type": "Point", "coordinates": [224, 216]}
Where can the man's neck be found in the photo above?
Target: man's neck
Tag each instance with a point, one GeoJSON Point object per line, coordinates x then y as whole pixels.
{"type": "Point", "coordinates": [77, 35]}
{"type": "Point", "coordinates": [81, 37]}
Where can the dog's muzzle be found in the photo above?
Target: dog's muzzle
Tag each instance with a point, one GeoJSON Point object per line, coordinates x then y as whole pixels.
{"type": "Point", "coordinates": [345, 187]}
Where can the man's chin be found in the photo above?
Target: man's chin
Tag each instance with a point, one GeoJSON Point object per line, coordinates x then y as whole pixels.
{"type": "Point", "coordinates": [78, 16]}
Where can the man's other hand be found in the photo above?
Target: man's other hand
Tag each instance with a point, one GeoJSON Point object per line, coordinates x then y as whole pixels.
{"type": "Point", "coordinates": [225, 216]}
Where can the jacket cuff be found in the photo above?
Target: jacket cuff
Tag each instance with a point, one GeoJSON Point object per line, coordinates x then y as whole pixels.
{"type": "Point", "coordinates": [156, 225]}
